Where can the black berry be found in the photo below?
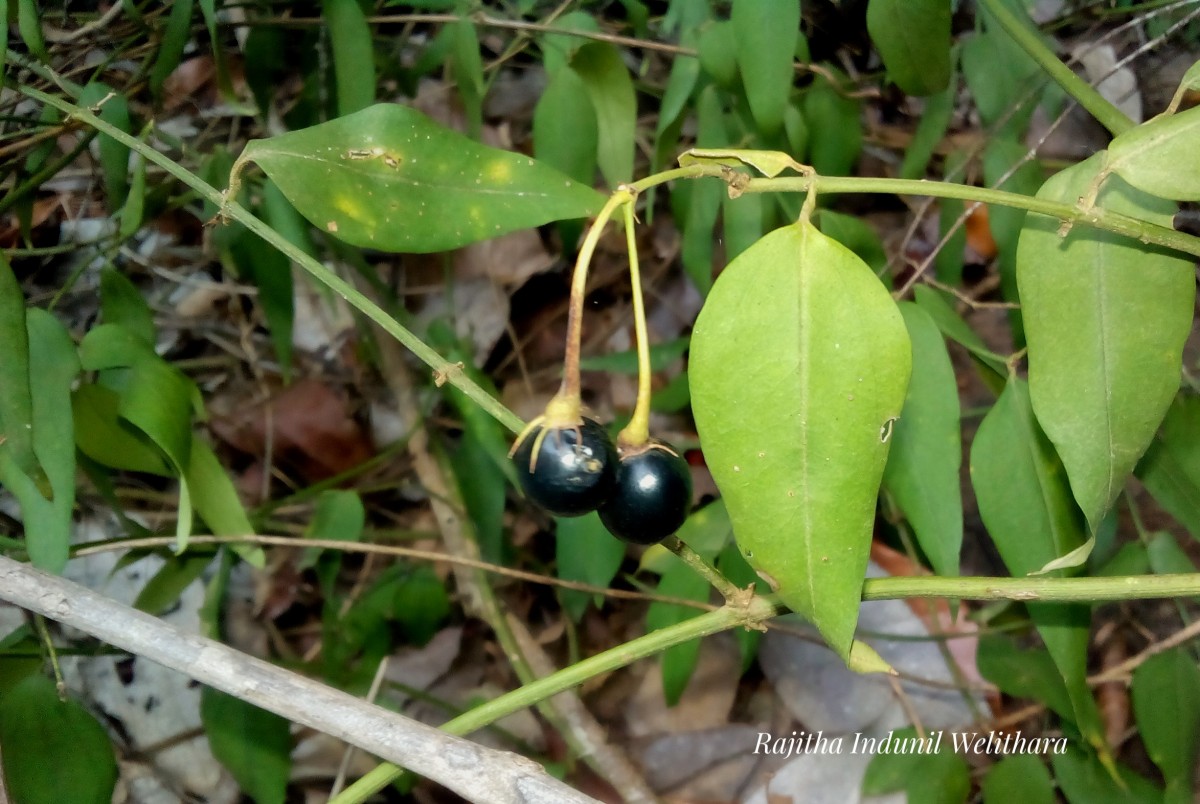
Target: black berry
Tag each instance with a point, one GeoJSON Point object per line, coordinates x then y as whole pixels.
{"type": "Point", "coordinates": [573, 471]}
{"type": "Point", "coordinates": [652, 497]}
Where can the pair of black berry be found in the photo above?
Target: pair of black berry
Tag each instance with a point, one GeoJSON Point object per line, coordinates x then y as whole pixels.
{"type": "Point", "coordinates": [642, 493]}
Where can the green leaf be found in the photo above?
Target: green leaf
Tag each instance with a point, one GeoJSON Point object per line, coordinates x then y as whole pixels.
{"type": "Point", "coordinates": [799, 365]}
{"type": "Point", "coordinates": [1161, 156]}
{"type": "Point", "coordinates": [122, 303]}
{"type": "Point", "coordinates": [468, 73]}
{"type": "Point", "coordinates": [935, 120]}
{"type": "Point", "coordinates": [768, 163]}
{"type": "Point", "coordinates": [1101, 380]}
{"type": "Point", "coordinates": [766, 32]}
{"type": "Point", "coordinates": [390, 178]}
{"type": "Point", "coordinates": [421, 605]}
{"type": "Point", "coordinates": [46, 506]}
{"type": "Point", "coordinates": [1006, 168]}
{"type": "Point", "coordinates": [54, 750]}
{"type": "Point", "coordinates": [1083, 779]}
{"type": "Point", "coordinates": [271, 272]}
{"type": "Point", "coordinates": [662, 355]}
{"type": "Point", "coordinates": [856, 235]}
{"type": "Point", "coordinates": [1170, 469]}
{"type": "Point", "coordinates": [163, 590]}
{"type": "Point", "coordinates": [923, 466]}
{"type": "Point", "coordinates": [483, 490]}
{"type": "Point", "coordinates": [103, 436]}
{"type": "Point", "coordinates": [587, 552]}
{"type": "Point", "coordinates": [564, 127]}
{"type": "Point", "coordinates": [703, 197]}
{"type": "Point", "coordinates": [1166, 702]}
{"type": "Point", "coordinates": [16, 397]}
{"type": "Point", "coordinates": [253, 744]}
{"type": "Point", "coordinates": [217, 502]}
{"type": "Point", "coordinates": [1166, 557]}
{"type": "Point", "coordinates": [174, 39]}
{"type": "Point", "coordinates": [718, 53]}
{"type": "Point", "coordinates": [930, 778]}
{"type": "Point", "coordinates": [607, 81]}
{"type": "Point", "coordinates": [743, 219]}
{"type": "Point", "coordinates": [953, 327]}
{"type": "Point", "coordinates": [353, 55]}
{"type": "Point", "coordinates": [559, 48]}
{"type": "Point", "coordinates": [678, 661]}
{"type": "Point", "coordinates": [114, 157]}
{"type": "Point", "coordinates": [1026, 505]}
{"type": "Point", "coordinates": [1023, 673]}
{"type": "Point", "coordinates": [835, 128]}
{"type": "Point", "coordinates": [1019, 777]}
{"type": "Point", "coordinates": [913, 38]}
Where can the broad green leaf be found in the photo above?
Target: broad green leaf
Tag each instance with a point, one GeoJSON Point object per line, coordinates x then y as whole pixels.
{"type": "Point", "coordinates": [564, 127]}
{"type": "Point", "coordinates": [835, 128]}
{"type": "Point", "coordinates": [996, 91]}
{"type": "Point", "coordinates": [587, 552]}
{"type": "Point", "coordinates": [1161, 156]}
{"type": "Point", "coordinates": [54, 751]}
{"type": "Point", "coordinates": [766, 32]}
{"type": "Point", "coordinates": [558, 48]}
{"type": "Point", "coordinates": [607, 81]}
{"type": "Point", "coordinates": [799, 366]}
{"type": "Point", "coordinates": [678, 661]}
{"type": "Point", "coordinates": [353, 55]}
{"type": "Point", "coordinates": [1018, 778]}
{"type": "Point", "coordinates": [46, 506]}
{"type": "Point", "coordinates": [913, 38]}
{"type": "Point", "coordinates": [718, 53]}
{"type": "Point", "coordinates": [1189, 83]}
{"type": "Point", "coordinates": [923, 466]}
{"type": "Point", "coordinates": [1166, 702]}
{"type": "Point", "coordinates": [927, 769]}
{"type": "Point", "coordinates": [1170, 469]}
{"type": "Point", "coordinates": [1100, 377]}
{"type": "Point", "coordinates": [390, 178]}
{"type": "Point", "coordinates": [856, 235]}
{"type": "Point", "coordinates": [253, 744]}
{"type": "Point", "coordinates": [1026, 505]}
{"type": "Point", "coordinates": [103, 436]}
{"type": "Point", "coordinates": [1166, 557]}
{"type": "Point", "coordinates": [1083, 779]}
{"type": "Point", "coordinates": [421, 605]}
{"type": "Point", "coordinates": [935, 119]}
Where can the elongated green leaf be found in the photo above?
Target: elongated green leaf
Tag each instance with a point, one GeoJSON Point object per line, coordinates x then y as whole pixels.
{"type": "Point", "coordinates": [799, 366]}
{"type": "Point", "coordinates": [1161, 156]}
{"type": "Point", "coordinates": [163, 590]}
{"type": "Point", "coordinates": [718, 53]}
{"type": "Point", "coordinates": [353, 55]}
{"type": "Point", "coordinates": [703, 197]}
{"type": "Point", "coordinates": [29, 26]}
{"type": "Point", "coordinates": [46, 507]}
{"type": "Point", "coordinates": [1170, 469]}
{"type": "Point", "coordinates": [766, 33]}
{"type": "Point", "coordinates": [54, 751]}
{"type": "Point", "coordinates": [856, 235]}
{"type": "Point", "coordinates": [678, 661]}
{"type": "Point", "coordinates": [114, 157]}
{"type": "Point", "coordinates": [1166, 702]}
{"type": "Point", "coordinates": [913, 38]}
{"type": "Point", "coordinates": [174, 39]}
{"type": "Point", "coordinates": [1005, 167]}
{"type": "Point", "coordinates": [255, 745]}
{"type": "Point", "coordinates": [743, 222]}
{"type": "Point", "coordinates": [564, 127]}
{"type": "Point", "coordinates": [1018, 777]}
{"type": "Point", "coordinates": [936, 777]}
{"type": "Point", "coordinates": [609, 86]}
{"type": "Point", "coordinates": [122, 303]}
{"type": "Point", "coordinates": [390, 178]}
{"type": "Point", "coordinates": [102, 436]}
{"type": "Point", "coordinates": [957, 330]}
{"type": "Point", "coordinates": [1101, 379]}
{"type": "Point", "coordinates": [468, 73]}
{"type": "Point", "coordinates": [1083, 779]}
{"type": "Point", "coordinates": [558, 48]}
{"type": "Point", "coordinates": [586, 552]}
{"type": "Point", "coordinates": [935, 119]}
{"type": "Point", "coordinates": [16, 398]}
{"type": "Point", "coordinates": [835, 128]}
{"type": "Point", "coordinates": [923, 465]}
{"type": "Point", "coordinates": [1023, 673]}
{"type": "Point", "coordinates": [1027, 507]}
{"type": "Point", "coordinates": [217, 502]}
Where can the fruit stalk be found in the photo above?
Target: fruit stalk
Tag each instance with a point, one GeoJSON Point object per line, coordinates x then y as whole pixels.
{"type": "Point", "coordinates": [637, 432]}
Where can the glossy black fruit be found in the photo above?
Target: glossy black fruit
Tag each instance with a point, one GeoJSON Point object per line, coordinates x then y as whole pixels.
{"type": "Point", "coordinates": [652, 497]}
{"type": "Point", "coordinates": [575, 468]}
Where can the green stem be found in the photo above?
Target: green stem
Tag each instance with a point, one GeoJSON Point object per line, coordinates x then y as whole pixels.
{"type": "Point", "coordinates": [1088, 97]}
{"type": "Point", "coordinates": [1096, 216]}
{"type": "Point", "coordinates": [1049, 590]}
{"type": "Point", "coordinates": [315, 269]}
{"type": "Point", "coordinates": [637, 432]}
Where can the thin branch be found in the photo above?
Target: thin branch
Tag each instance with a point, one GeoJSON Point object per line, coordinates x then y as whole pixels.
{"type": "Point", "coordinates": [474, 772]}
